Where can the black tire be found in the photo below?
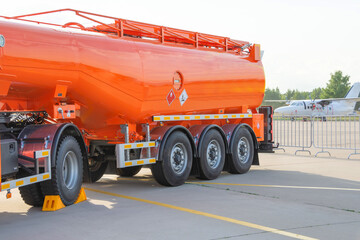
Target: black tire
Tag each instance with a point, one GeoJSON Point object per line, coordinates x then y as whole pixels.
{"type": "Point", "coordinates": [67, 175]}
{"type": "Point", "coordinates": [175, 166]}
{"type": "Point", "coordinates": [97, 170]}
{"type": "Point", "coordinates": [212, 155]}
{"type": "Point", "coordinates": [129, 171]}
{"type": "Point", "coordinates": [241, 161]}
{"type": "Point", "coordinates": [32, 195]}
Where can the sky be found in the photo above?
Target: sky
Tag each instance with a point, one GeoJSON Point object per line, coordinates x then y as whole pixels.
{"type": "Point", "coordinates": [303, 41]}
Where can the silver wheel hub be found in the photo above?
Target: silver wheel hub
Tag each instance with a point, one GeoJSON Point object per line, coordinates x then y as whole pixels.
{"type": "Point", "coordinates": [213, 154]}
{"type": "Point", "coordinates": [70, 169]}
{"type": "Point", "coordinates": [243, 150]}
{"type": "Point", "coordinates": [179, 158]}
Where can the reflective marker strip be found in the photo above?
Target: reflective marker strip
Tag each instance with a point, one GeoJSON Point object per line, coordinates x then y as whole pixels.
{"type": "Point", "coordinates": [200, 117]}
{"type": "Point", "coordinates": [5, 186]}
{"type": "Point", "coordinates": [30, 179]}
{"type": "Point", "coordinates": [25, 181]}
{"type": "Point", "coordinates": [19, 183]}
{"type": "Point", "coordinates": [209, 215]}
{"type": "Point", "coordinates": [45, 153]}
{"type": "Point", "coordinates": [42, 153]}
{"type": "Point", "coordinates": [138, 145]}
{"type": "Point", "coordinates": [139, 162]}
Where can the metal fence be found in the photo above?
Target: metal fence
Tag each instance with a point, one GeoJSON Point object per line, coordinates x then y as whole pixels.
{"type": "Point", "coordinates": [320, 133]}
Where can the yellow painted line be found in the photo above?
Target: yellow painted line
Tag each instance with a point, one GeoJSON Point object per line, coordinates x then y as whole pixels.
{"type": "Point", "coordinates": [128, 164]}
{"type": "Point", "coordinates": [152, 160]}
{"type": "Point", "coordinates": [5, 186]}
{"type": "Point", "coordinates": [34, 179]}
{"type": "Point", "coordinates": [166, 118]}
{"type": "Point", "coordinates": [151, 144]}
{"type": "Point", "coordinates": [140, 162]}
{"type": "Point", "coordinates": [275, 186]}
{"type": "Point", "coordinates": [197, 117]}
{"type": "Point", "coordinates": [156, 118]}
{"type": "Point", "coordinates": [139, 145]}
{"type": "Point", "coordinates": [127, 146]}
{"type": "Point", "coordinates": [187, 117]}
{"type": "Point", "coordinates": [226, 219]}
{"type": "Point", "coordinates": [45, 153]}
{"type": "Point", "coordinates": [19, 183]}
{"type": "Point", "coordinates": [46, 176]}
{"type": "Point", "coordinates": [176, 118]}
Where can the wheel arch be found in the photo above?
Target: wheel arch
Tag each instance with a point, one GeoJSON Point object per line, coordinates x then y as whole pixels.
{"type": "Point", "coordinates": [69, 129]}
{"type": "Point", "coordinates": [163, 133]}
{"type": "Point", "coordinates": [203, 134]}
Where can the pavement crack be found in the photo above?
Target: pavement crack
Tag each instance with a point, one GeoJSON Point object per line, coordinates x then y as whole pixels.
{"type": "Point", "coordinates": [335, 208]}
{"type": "Point", "coordinates": [285, 229]}
{"type": "Point", "coordinates": [232, 190]}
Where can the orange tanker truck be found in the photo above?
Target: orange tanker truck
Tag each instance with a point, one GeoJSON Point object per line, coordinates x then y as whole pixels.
{"type": "Point", "coordinates": [119, 95]}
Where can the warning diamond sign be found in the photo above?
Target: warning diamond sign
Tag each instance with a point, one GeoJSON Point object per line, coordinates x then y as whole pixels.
{"type": "Point", "coordinates": [170, 97]}
{"type": "Point", "coordinates": [183, 97]}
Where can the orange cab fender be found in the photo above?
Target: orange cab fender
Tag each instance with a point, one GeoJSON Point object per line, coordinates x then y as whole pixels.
{"type": "Point", "coordinates": [47, 136]}
{"type": "Point", "coordinates": [199, 131]}
{"type": "Point", "coordinates": [161, 134]}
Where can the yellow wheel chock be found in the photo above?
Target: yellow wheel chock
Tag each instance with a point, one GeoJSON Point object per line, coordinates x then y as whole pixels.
{"type": "Point", "coordinates": [53, 202]}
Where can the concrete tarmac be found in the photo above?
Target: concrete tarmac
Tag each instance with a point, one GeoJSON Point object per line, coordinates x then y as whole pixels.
{"type": "Point", "coordinates": [286, 197]}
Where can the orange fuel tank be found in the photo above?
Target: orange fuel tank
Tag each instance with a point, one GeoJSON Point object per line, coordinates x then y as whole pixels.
{"type": "Point", "coordinates": [114, 79]}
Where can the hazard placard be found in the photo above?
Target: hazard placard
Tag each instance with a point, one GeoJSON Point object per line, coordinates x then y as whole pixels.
{"type": "Point", "coordinates": [183, 97]}
{"type": "Point", "coordinates": [170, 97]}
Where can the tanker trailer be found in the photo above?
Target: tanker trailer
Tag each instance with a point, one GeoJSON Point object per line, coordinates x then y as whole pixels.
{"type": "Point", "coordinates": [120, 95]}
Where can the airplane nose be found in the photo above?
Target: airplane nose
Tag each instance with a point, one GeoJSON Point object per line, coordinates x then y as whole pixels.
{"type": "Point", "coordinates": [279, 110]}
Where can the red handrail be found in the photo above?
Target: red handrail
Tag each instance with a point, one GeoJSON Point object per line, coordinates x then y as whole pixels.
{"type": "Point", "coordinates": [127, 28]}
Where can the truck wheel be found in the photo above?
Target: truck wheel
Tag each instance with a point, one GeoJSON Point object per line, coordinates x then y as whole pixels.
{"type": "Point", "coordinates": [66, 177]}
{"type": "Point", "coordinates": [97, 170]}
{"type": "Point", "coordinates": [212, 156]}
{"type": "Point", "coordinates": [175, 166]}
{"type": "Point", "coordinates": [32, 195]}
{"type": "Point", "coordinates": [242, 151]}
{"type": "Point", "coordinates": [129, 171]}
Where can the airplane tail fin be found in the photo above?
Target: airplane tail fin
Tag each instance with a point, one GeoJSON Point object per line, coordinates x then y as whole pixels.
{"type": "Point", "coordinates": [354, 91]}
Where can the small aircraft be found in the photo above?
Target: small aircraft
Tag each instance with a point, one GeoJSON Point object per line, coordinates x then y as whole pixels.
{"type": "Point", "coordinates": [322, 107]}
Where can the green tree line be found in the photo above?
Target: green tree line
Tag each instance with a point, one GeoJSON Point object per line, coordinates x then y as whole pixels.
{"type": "Point", "coordinates": [337, 86]}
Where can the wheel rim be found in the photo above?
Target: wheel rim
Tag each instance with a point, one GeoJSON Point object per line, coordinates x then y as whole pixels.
{"type": "Point", "coordinates": [70, 169]}
{"type": "Point", "coordinates": [213, 154]}
{"type": "Point", "coordinates": [179, 158]}
{"type": "Point", "coordinates": [243, 150]}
